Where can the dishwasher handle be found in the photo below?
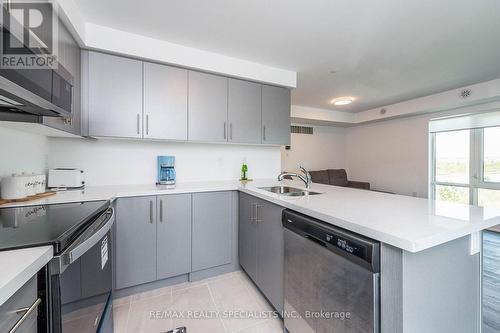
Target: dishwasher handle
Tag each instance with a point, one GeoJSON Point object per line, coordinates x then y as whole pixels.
{"type": "Point", "coordinates": [315, 240]}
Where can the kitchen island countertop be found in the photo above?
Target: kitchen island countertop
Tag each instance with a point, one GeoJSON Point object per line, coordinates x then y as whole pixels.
{"type": "Point", "coordinates": [412, 224]}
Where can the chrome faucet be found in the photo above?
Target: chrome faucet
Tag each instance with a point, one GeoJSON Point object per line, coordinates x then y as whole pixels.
{"type": "Point", "coordinates": [306, 178]}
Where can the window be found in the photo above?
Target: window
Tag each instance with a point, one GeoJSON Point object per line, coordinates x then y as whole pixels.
{"type": "Point", "coordinates": [465, 166]}
{"type": "Point", "coordinates": [491, 156]}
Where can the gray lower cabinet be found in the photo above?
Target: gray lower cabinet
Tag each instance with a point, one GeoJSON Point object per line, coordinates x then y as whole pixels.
{"type": "Point", "coordinates": [212, 230]}
{"type": "Point", "coordinates": [173, 235]}
{"type": "Point", "coordinates": [275, 115]}
{"type": "Point", "coordinates": [114, 96]}
{"type": "Point", "coordinates": [244, 111]}
{"type": "Point", "coordinates": [165, 102]}
{"type": "Point", "coordinates": [247, 234]}
{"type": "Point", "coordinates": [158, 237]}
{"type": "Point", "coordinates": [261, 246]}
{"type": "Point", "coordinates": [270, 252]}
{"type": "Point", "coordinates": [135, 241]}
{"type": "Point", "coordinates": [207, 107]}
{"type": "Point", "coordinates": [14, 310]}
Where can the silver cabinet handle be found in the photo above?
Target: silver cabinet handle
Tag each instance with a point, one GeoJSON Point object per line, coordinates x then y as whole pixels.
{"type": "Point", "coordinates": [151, 211]}
{"type": "Point", "coordinates": [231, 131]}
{"type": "Point", "coordinates": [251, 212]}
{"type": "Point", "coordinates": [138, 120]}
{"type": "Point", "coordinates": [257, 209]}
{"type": "Point", "coordinates": [161, 210]}
{"type": "Point", "coordinates": [264, 133]}
{"type": "Point", "coordinates": [147, 124]}
{"type": "Point", "coordinates": [27, 312]}
{"type": "Point", "coordinates": [225, 131]}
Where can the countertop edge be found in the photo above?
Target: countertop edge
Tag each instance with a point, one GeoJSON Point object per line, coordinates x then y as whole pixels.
{"type": "Point", "coordinates": [10, 287]}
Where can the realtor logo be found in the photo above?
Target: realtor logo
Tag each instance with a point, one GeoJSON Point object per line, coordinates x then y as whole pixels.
{"type": "Point", "coordinates": [29, 35]}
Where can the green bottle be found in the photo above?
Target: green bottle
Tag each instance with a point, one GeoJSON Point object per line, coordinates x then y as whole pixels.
{"type": "Point", "coordinates": [244, 170]}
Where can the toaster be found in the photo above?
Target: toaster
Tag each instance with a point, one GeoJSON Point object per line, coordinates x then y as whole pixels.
{"type": "Point", "coordinates": [66, 178]}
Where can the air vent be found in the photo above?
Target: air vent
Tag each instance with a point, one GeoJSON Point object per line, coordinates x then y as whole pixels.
{"type": "Point", "coordinates": [465, 93]}
{"type": "Point", "coordinates": [302, 130]}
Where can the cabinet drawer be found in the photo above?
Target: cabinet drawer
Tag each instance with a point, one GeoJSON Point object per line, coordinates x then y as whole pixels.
{"type": "Point", "coordinates": [16, 307]}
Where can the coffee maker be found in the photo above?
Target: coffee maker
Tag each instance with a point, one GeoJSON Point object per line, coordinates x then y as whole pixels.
{"type": "Point", "coordinates": [166, 170]}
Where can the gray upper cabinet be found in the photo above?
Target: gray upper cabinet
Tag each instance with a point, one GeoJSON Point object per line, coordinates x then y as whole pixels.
{"type": "Point", "coordinates": [134, 99]}
{"type": "Point", "coordinates": [247, 235]}
{"type": "Point", "coordinates": [212, 230]}
{"type": "Point", "coordinates": [207, 107]}
{"type": "Point", "coordinates": [173, 231]}
{"type": "Point", "coordinates": [135, 241]}
{"type": "Point", "coordinates": [114, 96]}
{"type": "Point", "coordinates": [165, 102]}
{"type": "Point", "coordinates": [275, 115]}
{"type": "Point", "coordinates": [244, 111]}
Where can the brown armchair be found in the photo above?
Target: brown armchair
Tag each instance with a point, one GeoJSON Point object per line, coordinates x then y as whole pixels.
{"type": "Point", "coordinates": [337, 177]}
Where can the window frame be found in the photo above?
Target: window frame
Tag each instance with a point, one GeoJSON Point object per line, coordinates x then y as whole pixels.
{"type": "Point", "coordinates": [476, 166]}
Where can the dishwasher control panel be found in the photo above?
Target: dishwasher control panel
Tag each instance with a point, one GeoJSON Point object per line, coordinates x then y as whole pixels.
{"type": "Point", "coordinates": [357, 248]}
{"type": "Point", "coordinates": [346, 245]}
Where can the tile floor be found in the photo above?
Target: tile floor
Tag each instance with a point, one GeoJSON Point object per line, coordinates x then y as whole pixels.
{"type": "Point", "coordinates": [226, 303]}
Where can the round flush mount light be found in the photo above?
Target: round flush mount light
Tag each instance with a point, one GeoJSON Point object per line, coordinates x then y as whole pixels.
{"type": "Point", "coordinates": [342, 101]}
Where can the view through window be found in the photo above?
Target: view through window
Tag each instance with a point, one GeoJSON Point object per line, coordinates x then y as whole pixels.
{"type": "Point", "coordinates": [466, 166]}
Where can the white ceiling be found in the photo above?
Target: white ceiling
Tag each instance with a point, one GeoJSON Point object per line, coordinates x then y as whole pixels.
{"type": "Point", "coordinates": [381, 52]}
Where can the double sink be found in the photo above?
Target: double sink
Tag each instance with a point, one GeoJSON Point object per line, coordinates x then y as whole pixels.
{"type": "Point", "coordinates": [288, 191]}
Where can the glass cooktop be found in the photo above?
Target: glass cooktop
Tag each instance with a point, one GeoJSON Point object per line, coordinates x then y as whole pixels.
{"type": "Point", "coordinates": [56, 224]}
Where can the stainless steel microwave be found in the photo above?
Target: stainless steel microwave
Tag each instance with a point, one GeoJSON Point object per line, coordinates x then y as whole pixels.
{"type": "Point", "coordinates": [35, 92]}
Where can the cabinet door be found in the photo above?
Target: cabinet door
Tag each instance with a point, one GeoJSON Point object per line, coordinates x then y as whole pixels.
{"type": "Point", "coordinates": [114, 96]}
{"type": "Point", "coordinates": [12, 309]}
{"type": "Point", "coordinates": [270, 252]}
{"type": "Point", "coordinates": [244, 111]}
{"type": "Point", "coordinates": [247, 242]}
{"type": "Point", "coordinates": [135, 241]}
{"type": "Point", "coordinates": [275, 115]}
{"type": "Point", "coordinates": [165, 102]}
{"type": "Point", "coordinates": [173, 234]}
{"type": "Point", "coordinates": [207, 107]}
{"type": "Point", "coordinates": [212, 230]}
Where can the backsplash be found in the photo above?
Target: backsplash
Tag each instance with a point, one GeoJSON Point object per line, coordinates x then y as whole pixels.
{"type": "Point", "coordinates": [22, 152]}
{"type": "Point", "coordinates": [113, 162]}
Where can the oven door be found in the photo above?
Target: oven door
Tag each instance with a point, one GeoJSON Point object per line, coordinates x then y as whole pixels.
{"type": "Point", "coordinates": [81, 281]}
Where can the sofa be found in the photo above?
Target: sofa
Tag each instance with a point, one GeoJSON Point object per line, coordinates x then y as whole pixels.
{"type": "Point", "coordinates": [337, 177]}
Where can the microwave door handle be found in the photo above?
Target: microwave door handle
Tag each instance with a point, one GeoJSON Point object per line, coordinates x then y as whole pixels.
{"type": "Point", "coordinates": [86, 241]}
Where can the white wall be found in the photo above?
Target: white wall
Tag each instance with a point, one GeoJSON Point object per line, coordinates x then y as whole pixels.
{"type": "Point", "coordinates": [111, 162]}
{"type": "Point", "coordinates": [391, 155]}
{"type": "Point", "coordinates": [325, 149]}
{"type": "Point", "coordinates": [22, 151]}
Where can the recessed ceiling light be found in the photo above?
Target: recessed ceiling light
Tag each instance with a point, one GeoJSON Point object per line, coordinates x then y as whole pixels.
{"type": "Point", "coordinates": [342, 101]}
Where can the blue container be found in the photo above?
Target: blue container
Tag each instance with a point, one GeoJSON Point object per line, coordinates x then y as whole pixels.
{"type": "Point", "coordinates": [166, 170]}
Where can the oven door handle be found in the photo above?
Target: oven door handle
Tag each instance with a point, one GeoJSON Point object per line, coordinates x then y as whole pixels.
{"type": "Point", "coordinates": [97, 230]}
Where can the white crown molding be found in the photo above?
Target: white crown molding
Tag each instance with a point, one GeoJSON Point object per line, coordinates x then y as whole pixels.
{"type": "Point", "coordinates": [98, 37]}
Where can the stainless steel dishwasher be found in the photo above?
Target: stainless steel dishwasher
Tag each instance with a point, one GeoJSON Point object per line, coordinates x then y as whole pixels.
{"type": "Point", "coordinates": [331, 278]}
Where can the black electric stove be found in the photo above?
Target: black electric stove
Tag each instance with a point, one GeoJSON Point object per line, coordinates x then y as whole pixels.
{"type": "Point", "coordinates": [78, 279]}
{"type": "Point", "coordinates": [55, 224]}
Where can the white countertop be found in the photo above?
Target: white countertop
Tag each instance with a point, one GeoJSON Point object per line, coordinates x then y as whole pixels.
{"type": "Point", "coordinates": [412, 224]}
{"type": "Point", "coordinates": [18, 266]}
